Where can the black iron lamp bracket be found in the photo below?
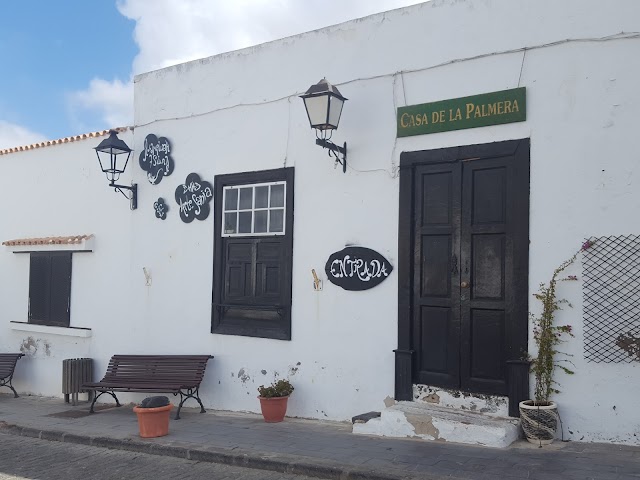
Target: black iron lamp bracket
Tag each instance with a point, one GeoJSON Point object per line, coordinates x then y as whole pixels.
{"type": "Point", "coordinates": [132, 196]}
{"type": "Point", "coordinates": [335, 151]}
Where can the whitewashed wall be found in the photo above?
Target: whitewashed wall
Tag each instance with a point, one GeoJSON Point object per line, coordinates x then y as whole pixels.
{"type": "Point", "coordinates": [58, 191]}
{"type": "Point", "coordinates": [239, 112]}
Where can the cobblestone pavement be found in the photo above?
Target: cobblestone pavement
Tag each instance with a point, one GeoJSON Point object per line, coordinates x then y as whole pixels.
{"type": "Point", "coordinates": [31, 458]}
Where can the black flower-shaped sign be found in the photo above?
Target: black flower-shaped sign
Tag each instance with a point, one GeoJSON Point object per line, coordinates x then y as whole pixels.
{"type": "Point", "coordinates": [193, 198]}
{"type": "Point", "coordinates": [155, 158]}
{"type": "Point", "coordinates": [161, 208]}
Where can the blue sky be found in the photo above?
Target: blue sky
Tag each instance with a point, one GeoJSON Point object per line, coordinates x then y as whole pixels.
{"type": "Point", "coordinates": [49, 49]}
{"type": "Point", "coordinates": [66, 65]}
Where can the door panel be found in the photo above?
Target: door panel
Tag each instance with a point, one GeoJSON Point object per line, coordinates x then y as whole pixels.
{"type": "Point", "coordinates": [487, 329]}
{"type": "Point", "coordinates": [436, 322]}
{"type": "Point", "coordinates": [436, 291]}
{"type": "Point", "coordinates": [486, 248]}
{"type": "Point", "coordinates": [487, 272]}
{"type": "Point", "coordinates": [436, 260]}
{"type": "Point", "coordinates": [437, 197]}
{"type": "Point", "coordinates": [488, 197]}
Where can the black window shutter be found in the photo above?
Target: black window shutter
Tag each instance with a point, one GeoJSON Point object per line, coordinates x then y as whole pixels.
{"type": "Point", "coordinates": [50, 288]}
{"type": "Point", "coordinates": [238, 278]}
{"type": "Point", "coordinates": [39, 288]}
{"type": "Point", "coordinates": [252, 271]}
{"type": "Point", "coordinates": [270, 260]}
{"type": "Point", "coordinates": [60, 289]}
{"type": "Point", "coordinates": [254, 300]}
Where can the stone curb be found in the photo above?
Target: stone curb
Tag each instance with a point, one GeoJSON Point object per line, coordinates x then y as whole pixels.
{"type": "Point", "coordinates": [291, 464]}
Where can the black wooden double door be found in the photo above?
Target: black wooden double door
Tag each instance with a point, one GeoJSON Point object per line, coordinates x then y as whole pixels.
{"type": "Point", "coordinates": [470, 263]}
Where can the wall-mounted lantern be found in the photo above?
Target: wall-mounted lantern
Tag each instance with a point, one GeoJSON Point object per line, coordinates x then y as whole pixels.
{"type": "Point", "coordinates": [113, 155]}
{"type": "Point", "coordinates": [324, 104]}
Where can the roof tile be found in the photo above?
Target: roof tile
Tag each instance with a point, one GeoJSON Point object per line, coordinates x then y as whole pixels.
{"type": "Point", "coordinates": [67, 240]}
{"type": "Point", "coordinates": [47, 143]}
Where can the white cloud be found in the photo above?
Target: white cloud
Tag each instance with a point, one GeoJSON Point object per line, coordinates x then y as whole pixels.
{"type": "Point", "coordinates": [12, 135]}
{"type": "Point", "coordinates": [168, 32]}
{"type": "Point", "coordinates": [175, 31]}
{"type": "Point", "coordinates": [112, 100]}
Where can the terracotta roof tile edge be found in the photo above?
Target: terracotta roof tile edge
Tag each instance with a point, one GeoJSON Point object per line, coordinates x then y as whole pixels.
{"type": "Point", "coordinates": [69, 239]}
{"type": "Point", "coordinates": [47, 143]}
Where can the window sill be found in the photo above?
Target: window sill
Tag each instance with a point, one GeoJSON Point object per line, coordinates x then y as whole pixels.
{"type": "Point", "coordinates": [67, 331]}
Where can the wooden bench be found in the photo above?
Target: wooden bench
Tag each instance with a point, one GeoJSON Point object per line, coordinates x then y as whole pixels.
{"type": "Point", "coordinates": [177, 374]}
{"type": "Point", "coordinates": [7, 366]}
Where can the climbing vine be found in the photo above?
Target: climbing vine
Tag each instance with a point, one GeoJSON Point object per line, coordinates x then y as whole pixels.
{"type": "Point", "coordinates": [548, 336]}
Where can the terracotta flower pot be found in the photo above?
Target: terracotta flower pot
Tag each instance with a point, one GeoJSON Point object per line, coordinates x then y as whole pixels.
{"type": "Point", "coordinates": [273, 409]}
{"type": "Point", "coordinates": [539, 422]}
{"type": "Point", "coordinates": [153, 422]}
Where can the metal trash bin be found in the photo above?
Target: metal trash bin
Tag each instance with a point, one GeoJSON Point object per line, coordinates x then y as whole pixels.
{"type": "Point", "coordinates": [75, 372]}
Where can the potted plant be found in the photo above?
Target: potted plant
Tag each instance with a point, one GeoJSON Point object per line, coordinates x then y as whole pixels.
{"type": "Point", "coordinates": [539, 417]}
{"type": "Point", "coordinates": [153, 416]}
{"type": "Point", "coordinates": [273, 400]}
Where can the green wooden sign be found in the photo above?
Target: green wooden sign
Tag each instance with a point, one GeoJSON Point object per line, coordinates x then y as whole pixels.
{"type": "Point", "coordinates": [495, 108]}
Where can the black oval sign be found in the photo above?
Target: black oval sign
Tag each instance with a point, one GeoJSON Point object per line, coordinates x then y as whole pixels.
{"type": "Point", "coordinates": [193, 198]}
{"type": "Point", "coordinates": [357, 268]}
{"type": "Point", "coordinates": [155, 158]}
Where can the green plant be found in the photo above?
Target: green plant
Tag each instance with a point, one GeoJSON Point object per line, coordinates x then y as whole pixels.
{"type": "Point", "coordinates": [548, 336]}
{"type": "Point", "coordinates": [281, 388]}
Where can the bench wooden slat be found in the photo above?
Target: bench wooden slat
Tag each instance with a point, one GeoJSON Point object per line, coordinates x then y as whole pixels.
{"type": "Point", "coordinates": [131, 388]}
{"type": "Point", "coordinates": [171, 385]}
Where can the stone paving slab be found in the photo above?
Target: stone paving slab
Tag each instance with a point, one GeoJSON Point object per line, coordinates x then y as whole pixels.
{"type": "Point", "coordinates": [315, 448]}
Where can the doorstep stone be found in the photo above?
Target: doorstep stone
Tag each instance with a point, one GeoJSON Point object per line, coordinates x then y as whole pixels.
{"type": "Point", "coordinates": [495, 405]}
{"type": "Point", "coordinates": [434, 423]}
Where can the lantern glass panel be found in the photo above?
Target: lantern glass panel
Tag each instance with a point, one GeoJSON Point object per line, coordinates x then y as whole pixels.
{"type": "Point", "coordinates": [105, 161]}
{"type": "Point", "coordinates": [113, 150]}
{"type": "Point", "coordinates": [113, 163]}
{"type": "Point", "coordinates": [121, 162]}
{"type": "Point", "coordinates": [335, 110]}
{"type": "Point", "coordinates": [317, 110]}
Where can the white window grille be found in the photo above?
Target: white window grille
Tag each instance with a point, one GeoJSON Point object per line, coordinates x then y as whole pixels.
{"type": "Point", "coordinates": [254, 210]}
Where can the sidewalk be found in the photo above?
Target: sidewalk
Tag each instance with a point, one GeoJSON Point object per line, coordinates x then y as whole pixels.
{"type": "Point", "coordinates": [309, 447]}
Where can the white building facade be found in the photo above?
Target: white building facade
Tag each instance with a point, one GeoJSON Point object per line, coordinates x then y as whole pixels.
{"type": "Point", "coordinates": [498, 207]}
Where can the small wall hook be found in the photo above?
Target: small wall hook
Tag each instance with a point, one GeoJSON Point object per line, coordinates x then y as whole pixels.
{"type": "Point", "coordinates": [147, 277]}
{"type": "Point", "coordinates": [317, 283]}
